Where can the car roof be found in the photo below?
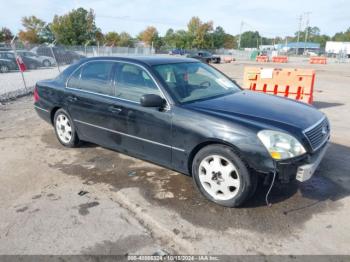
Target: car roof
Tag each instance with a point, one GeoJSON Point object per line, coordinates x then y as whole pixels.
{"type": "Point", "coordinates": [148, 60]}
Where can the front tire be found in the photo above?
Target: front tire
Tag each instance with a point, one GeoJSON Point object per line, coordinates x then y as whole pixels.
{"type": "Point", "coordinates": [222, 177]}
{"type": "Point", "coordinates": [4, 69]}
{"type": "Point", "coordinates": [46, 63]}
{"type": "Point", "coordinates": [65, 129]}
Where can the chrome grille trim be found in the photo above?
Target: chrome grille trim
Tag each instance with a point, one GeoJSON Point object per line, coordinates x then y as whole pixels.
{"type": "Point", "coordinates": [314, 134]}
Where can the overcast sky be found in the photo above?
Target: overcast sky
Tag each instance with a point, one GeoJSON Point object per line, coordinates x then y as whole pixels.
{"type": "Point", "coordinates": [269, 17]}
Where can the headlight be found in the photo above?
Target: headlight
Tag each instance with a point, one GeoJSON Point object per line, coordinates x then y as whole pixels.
{"type": "Point", "coordinates": [280, 145]}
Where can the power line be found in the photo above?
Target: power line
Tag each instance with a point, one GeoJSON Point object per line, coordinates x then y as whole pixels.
{"type": "Point", "coordinates": [307, 14]}
{"type": "Point", "coordinates": [300, 18]}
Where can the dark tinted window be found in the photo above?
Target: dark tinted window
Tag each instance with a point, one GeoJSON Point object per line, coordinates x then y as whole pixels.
{"type": "Point", "coordinates": [132, 82]}
{"type": "Point", "coordinates": [94, 77]}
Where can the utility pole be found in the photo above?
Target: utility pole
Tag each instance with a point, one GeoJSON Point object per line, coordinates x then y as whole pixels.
{"type": "Point", "coordinates": [240, 33]}
{"type": "Point", "coordinates": [307, 15]}
{"type": "Point", "coordinates": [300, 18]}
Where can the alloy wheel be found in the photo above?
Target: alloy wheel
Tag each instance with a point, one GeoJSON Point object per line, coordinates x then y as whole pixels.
{"type": "Point", "coordinates": [219, 177]}
{"type": "Point", "coordinates": [64, 128]}
{"type": "Point", "coordinates": [4, 69]}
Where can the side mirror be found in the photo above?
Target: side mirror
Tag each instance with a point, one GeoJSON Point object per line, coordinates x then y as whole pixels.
{"type": "Point", "coordinates": [152, 100]}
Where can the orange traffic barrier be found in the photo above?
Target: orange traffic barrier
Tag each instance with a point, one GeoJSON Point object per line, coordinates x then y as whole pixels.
{"type": "Point", "coordinates": [262, 58]}
{"type": "Point", "coordinates": [297, 84]}
{"type": "Point", "coordinates": [318, 60]}
{"type": "Point", "coordinates": [280, 59]}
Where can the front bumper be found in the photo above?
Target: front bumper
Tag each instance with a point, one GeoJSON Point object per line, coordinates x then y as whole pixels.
{"type": "Point", "coordinates": [302, 168]}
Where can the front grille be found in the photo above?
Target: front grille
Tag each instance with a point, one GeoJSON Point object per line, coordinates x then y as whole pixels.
{"type": "Point", "coordinates": [317, 135]}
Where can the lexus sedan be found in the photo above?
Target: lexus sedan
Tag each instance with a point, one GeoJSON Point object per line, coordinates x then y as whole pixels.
{"type": "Point", "coordinates": [189, 117]}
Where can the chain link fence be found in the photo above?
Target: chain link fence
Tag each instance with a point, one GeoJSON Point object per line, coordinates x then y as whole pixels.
{"type": "Point", "coordinates": [21, 66]}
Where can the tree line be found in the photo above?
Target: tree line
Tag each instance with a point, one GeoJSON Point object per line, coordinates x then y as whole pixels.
{"type": "Point", "coordinates": [78, 27]}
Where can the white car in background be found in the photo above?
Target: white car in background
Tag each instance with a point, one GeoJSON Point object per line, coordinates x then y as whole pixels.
{"type": "Point", "coordinates": [45, 61]}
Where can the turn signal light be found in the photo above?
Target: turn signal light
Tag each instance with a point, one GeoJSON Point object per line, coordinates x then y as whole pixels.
{"type": "Point", "coordinates": [275, 155]}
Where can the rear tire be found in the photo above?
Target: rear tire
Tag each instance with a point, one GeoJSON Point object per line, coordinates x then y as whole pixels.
{"type": "Point", "coordinates": [222, 177]}
{"type": "Point", "coordinates": [65, 129]}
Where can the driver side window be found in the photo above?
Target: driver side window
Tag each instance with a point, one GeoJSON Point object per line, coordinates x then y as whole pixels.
{"type": "Point", "coordinates": [132, 82]}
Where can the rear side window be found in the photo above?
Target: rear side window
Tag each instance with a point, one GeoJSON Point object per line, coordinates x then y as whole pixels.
{"type": "Point", "coordinates": [94, 77]}
{"type": "Point", "coordinates": [132, 82]}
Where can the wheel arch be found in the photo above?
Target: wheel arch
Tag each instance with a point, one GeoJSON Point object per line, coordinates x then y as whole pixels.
{"type": "Point", "coordinates": [200, 146]}
{"type": "Point", "coordinates": [53, 112]}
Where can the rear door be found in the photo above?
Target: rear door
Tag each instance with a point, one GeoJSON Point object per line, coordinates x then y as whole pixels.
{"type": "Point", "coordinates": [91, 102]}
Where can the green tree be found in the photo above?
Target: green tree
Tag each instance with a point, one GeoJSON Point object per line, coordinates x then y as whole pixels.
{"type": "Point", "coordinates": [112, 39]}
{"type": "Point", "coordinates": [169, 38]}
{"type": "Point", "coordinates": [181, 40]}
{"type": "Point", "coordinates": [75, 28]}
{"type": "Point", "coordinates": [250, 39]}
{"type": "Point", "coordinates": [314, 35]}
{"type": "Point", "coordinates": [5, 35]}
{"type": "Point", "coordinates": [33, 29]}
{"type": "Point", "coordinates": [230, 42]}
{"type": "Point", "coordinates": [125, 40]}
{"type": "Point", "coordinates": [199, 33]}
{"type": "Point", "coordinates": [46, 35]}
{"type": "Point", "coordinates": [342, 36]}
{"type": "Point", "coordinates": [150, 36]}
{"type": "Point", "coordinates": [219, 36]}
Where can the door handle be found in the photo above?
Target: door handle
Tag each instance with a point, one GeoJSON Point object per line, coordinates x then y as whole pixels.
{"type": "Point", "coordinates": [72, 98]}
{"type": "Point", "coordinates": [114, 109]}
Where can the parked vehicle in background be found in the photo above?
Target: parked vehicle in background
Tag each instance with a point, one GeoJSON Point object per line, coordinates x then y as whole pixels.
{"type": "Point", "coordinates": [62, 56]}
{"type": "Point", "coordinates": [7, 65]}
{"type": "Point", "coordinates": [188, 116]}
{"type": "Point", "coordinates": [44, 60]}
{"type": "Point", "coordinates": [177, 51]}
{"type": "Point", "coordinates": [29, 62]}
{"type": "Point", "coordinates": [311, 53]}
{"type": "Point", "coordinates": [205, 57]}
{"type": "Point", "coordinates": [5, 47]}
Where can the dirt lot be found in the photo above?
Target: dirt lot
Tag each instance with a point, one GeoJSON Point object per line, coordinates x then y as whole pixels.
{"type": "Point", "coordinates": [129, 206]}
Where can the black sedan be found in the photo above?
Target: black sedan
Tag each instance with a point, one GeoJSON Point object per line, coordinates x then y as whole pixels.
{"type": "Point", "coordinates": [205, 57]}
{"type": "Point", "coordinates": [189, 117]}
{"type": "Point", "coordinates": [29, 62]}
{"type": "Point", "coordinates": [7, 65]}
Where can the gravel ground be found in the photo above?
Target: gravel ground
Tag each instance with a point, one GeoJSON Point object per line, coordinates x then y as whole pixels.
{"type": "Point", "coordinates": [133, 207]}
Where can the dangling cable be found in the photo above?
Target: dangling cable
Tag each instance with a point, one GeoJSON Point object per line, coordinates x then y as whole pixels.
{"type": "Point", "coordinates": [272, 183]}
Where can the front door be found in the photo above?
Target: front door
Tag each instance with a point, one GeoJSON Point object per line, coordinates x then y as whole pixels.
{"type": "Point", "coordinates": [146, 130]}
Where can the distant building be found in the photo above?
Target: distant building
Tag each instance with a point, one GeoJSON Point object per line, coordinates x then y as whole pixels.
{"type": "Point", "coordinates": [301, 47]}
{"type": "Point", "coordinates": [266, 47]}
{"type": "Point", "coordinates": [337, 48]}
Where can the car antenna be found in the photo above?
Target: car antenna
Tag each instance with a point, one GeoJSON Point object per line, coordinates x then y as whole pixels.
{"type": "Point", "coordinates": [269, 191]}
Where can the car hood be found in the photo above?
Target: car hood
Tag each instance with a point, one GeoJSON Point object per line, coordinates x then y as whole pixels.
{"type": "Point", "coordinates": [266, 109]}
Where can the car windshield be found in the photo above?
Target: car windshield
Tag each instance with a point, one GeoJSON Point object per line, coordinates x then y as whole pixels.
{"type": "Point", "coordinates": [189, 82]}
